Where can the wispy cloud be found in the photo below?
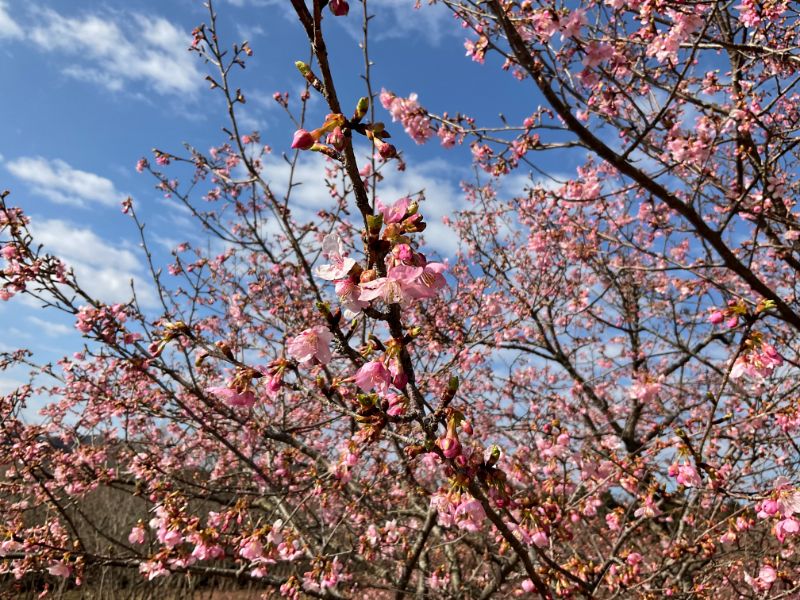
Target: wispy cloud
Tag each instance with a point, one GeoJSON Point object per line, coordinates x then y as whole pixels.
{"type": "Point", "coordinates": [437, 179]}
{"type": "Point", "coordinates": [9, 28]}
{"type": "Point", "coordinates": [50, 328]}
{"type": "Point", "coordinates": [103, 269]}
{"type": "Point", "coordinates": [58, 181]}
{"type": "Point", "coordinates": [119, 49]}
{"type": "Point", "coordinates": [402, 20]}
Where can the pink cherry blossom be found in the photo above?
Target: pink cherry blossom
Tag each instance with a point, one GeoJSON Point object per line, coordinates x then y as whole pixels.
{"type": "Point", "coordinates": [312, 343]}
{"type": "Point", "coordinates": [400, 286]}
{"type": "Point", "coordinates": [60, 569]}
{"type": "Point", "coordinates": [373, 375]}
{"type": "Point", "coordinates": [232, 396]}
{"type": "Point", "coordinates": [349, 293]}
{"type": "Point", "coordinates": [136, 535]}
{"type": "Point", "coordinates": [786, 527]}
{"type": "Point", "coordinates": [394, 213]}
{"type": "Point", "coordinates": [408, 111]}
{"type": "Point", "coordinates": [340, 265]}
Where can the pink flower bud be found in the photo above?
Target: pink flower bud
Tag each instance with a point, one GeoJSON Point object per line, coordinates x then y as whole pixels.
{"type": "Point", "coordinates": [303, 140]}
{"type": "Point", "coordinates": [450, 447]}
{"type": "Point", "coordinates": [340, 8]}
{"type": "Point", "coordinates": [400, 380]}
{"type": "Point", "coordinates": [716, 317]}
{"type": "Point", "coordinates": [387, 151]}
{"type": "Point", "coordinates": [336, 138]}
{"type": "Point", "coordinates": [732, 322]}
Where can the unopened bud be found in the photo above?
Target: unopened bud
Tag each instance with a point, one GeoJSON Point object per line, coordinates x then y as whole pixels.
{"type": "Point", "coordinates": [452, 385]}
{"type": "Point", "coordinates": [368, 275]}
{"type": "Point", "coordinates": [374, 223]}
{"type": "Point", "coordinates": [361, 108]}
{"type": "Point", "coordinates": [336, 138]}
{"type": "Point", "coordinates": [385, 150]}
{"type": "Point", "coordinates": [225, 349]}
{"type": "Point", "coordinates": [494, 455]}
{"type": "Point", "coordinates": [339, 8]}
{"type": "Point", "coordinates": [414, 450]}
{"type": "Point", "coordinates": [304, 69]}
{"type": "Point", "coordinates": [324, 309]}
{"type": "Point", "coordinates": [303, 140]}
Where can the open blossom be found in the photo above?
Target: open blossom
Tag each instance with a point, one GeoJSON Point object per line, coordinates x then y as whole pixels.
{"type": "Point", "coordinates": [597, 53]}
{"type": "Point", "coordinates": [136, 535]}
{"type": "Point", "coordinates": [645, 390]}
{"type": "Point", "coordinates": [788, 500]}
{"type": "Point", "coordinates": [373, 376]}
{"type": "Point", "coordinates": [786, 527]}
{"type": "Point", "coordinates": [310, 344]}
{"type": "Point", "coordinates": [59, 569]}
{"type": "Point", "coordinates": [394, 213]}
{"type": "Point", "coordinates": [759, 363]}
{"type": "Point", "coordinates": [469, 514]}
{"type": "Point", "coordinates": [571, 26]}
{"type": "Point", "coordinates": [153, 569]}
{"type": "Point", "coordinates": [251, 548]}
{"type": "Point", "coordinates": [767, 575]}
{"type": "Point", "coordinates": [414, 118]}
{"type": "Point", "coordinates": [685, 474]}
{"type": "Point", "coordinates": [648, 510]}
{"type": "Point", "coordinates": [401, 285]}
{"type": "Point", "coordinates": [232, 396]}
{"type": "Point", "coordinates": [348, 292]}
{"type": "Point", "coordinates": [432, 278]}
{"type": "Point", "coordinates": [340, 265]}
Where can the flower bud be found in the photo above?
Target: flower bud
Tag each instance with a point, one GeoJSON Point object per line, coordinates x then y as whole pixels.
{"type": "Point", "coordinates": [339, 8]}
{"type": "Point", "coordinates": [386, 151]}
{"type": "Point", "coordinates": [374, 223]}
{"type": "Point", "coordinates": [450, 446]}
{"type": "Point", "coordinates": [368, 275]}
{"type": "Point", "coordinates": [336, 138]}
{"type": "Point", "coordinates": [361, 108]}
{"type": "Point", "coordinates": [413, 450]}
{"type": "Point", "coordinates": [303, 140]}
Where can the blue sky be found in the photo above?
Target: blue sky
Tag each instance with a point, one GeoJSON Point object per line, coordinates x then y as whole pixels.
{"type": "Point", "coordinates": [91, 86]}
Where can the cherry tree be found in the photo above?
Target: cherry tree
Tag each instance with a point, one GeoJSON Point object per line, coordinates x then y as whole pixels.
{"type": "Point", "coordinates": [596, 399]}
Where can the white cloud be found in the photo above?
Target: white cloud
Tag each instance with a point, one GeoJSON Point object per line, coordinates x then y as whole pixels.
{"type": "Point", "coordinates": [132, 49]}
{"type": "Point", "coordinates": [394, 19]}
{"type": "Point", "coordinates": [400, 20]}
{"type": "Point", "coordinates": [8, 385]}
{"type": "Point", "coordinates": [437, 178]}
{"type": "Point", "coordinates": [104, 270]}
{"type": "Point", "coordinates": [9, 28]}
{"type": "Point", "coordinates": [49, 328]}
{"type": "Point", "coordinates": [61, 183]}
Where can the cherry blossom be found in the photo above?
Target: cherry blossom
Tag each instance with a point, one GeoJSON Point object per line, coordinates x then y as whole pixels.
{"type": "Point", "coordinates": [340, 265]}
{"type": "Point", "coordinates": [311, 344]}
